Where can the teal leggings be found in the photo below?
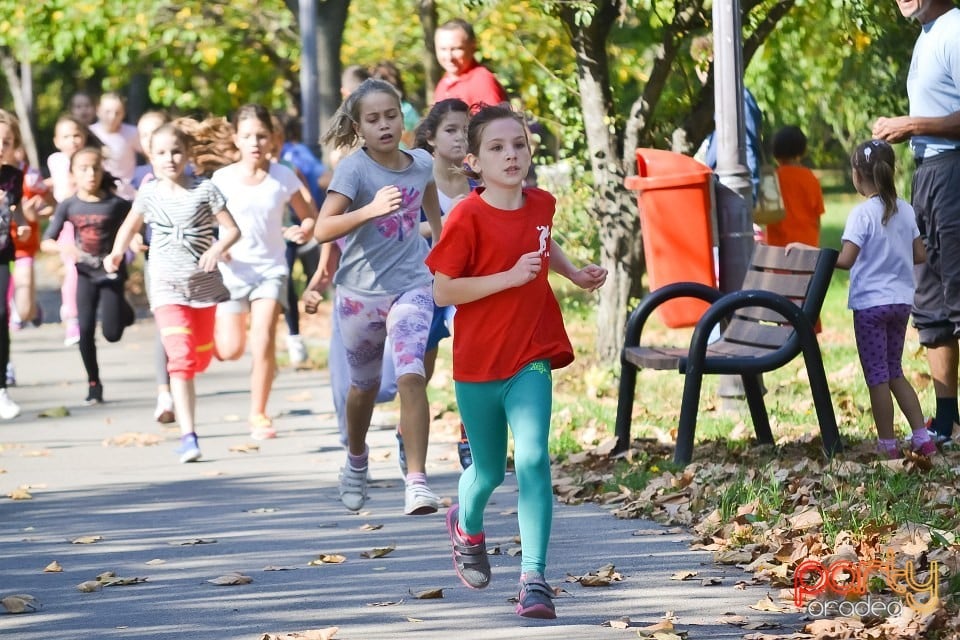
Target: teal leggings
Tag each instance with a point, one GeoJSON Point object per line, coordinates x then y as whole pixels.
{"type": "Point", "coordinates": [486, 408]}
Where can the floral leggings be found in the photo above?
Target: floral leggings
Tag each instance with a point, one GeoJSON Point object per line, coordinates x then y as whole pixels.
{"type": "Point", "coordinates": [365, 322]}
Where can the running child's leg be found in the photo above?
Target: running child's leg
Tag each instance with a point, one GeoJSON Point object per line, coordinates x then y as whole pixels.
{"type": "Point", "coordinates": [263, 343]}
{"type": "Point", "coordinates": [88, 299]}
{"type": "Point", "coordinates": [8, 408]}
{"type": "Point", "coordinates": [528, 400]}
{"type": "Point", "coordinates": [408, 324]}
{"type": "Point", "coordinates": [24, 289]}
{"type": "Point", "coordinates": [116, 314]}
{"type": "Point", "coordinates": [187, 336]}
{"type": "Point", "coordinates": [481, 408]}
{"type": "Point", "coordinates": [68, 288]}
{"type": "Point", "coordinates": [364, 332]}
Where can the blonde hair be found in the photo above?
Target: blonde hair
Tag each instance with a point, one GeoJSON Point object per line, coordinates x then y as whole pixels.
{"type": "Point", "coordinates": [212, 144]}
{"type": "Point", "coordinates": [343, 131]}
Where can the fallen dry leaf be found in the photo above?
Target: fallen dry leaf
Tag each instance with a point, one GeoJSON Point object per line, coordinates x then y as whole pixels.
{"type": "Point", "coordinates": [684, 575]}
{"type": "Point", "coordinates": [54, 412]}
{"type": "Point", "coordinates": [513, 552]}
{"type": "Point", "coordinates": [231, 579]}
{"type": "Point", "coordinates": [247, 447]}
{"type": "Point", "coordinates": [155, 561]}
{"type": "Point", "coordinates": [658, 627]}
{"type": "Point", "coordinates": [766, 603]}
{"type": "Point", "coordinates": [327, 558]}
{"type": "Point", "coordinates": [133, 439]}
{"type": "Point", "coordinates": [192, 541]}
{"type": "Point", "coordinates": [20, 493]}
{"type": "Point", "coordinates": [378, 552]}
{"type": "Point", "coordinates": [385, 603]}
{"type": "Point", "coordinates": [602, 577]}
{"type": "Point", "coordinates": [619, 623]}
{"type": "Point", "coordinates": [20, 603]}
{"type": "Point", "coordinates": [428, 594]}
{"type": "Point", "coordinates": [312, 634]}
{"type": "Point", "coordinates": [53, 567]}
{"type": "Point", "coordinates": [89, 586]}
{"type": "Point", "coordinates": [371, 527]}
{"type": "Point", "coordinates": [87, 540]}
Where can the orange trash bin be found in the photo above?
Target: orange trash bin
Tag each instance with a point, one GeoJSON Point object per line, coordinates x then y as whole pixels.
{"type": "Point", "coordinates": [675, 204]}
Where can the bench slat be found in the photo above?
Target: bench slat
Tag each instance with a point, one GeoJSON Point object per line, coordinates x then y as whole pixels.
{"type": "Point", "coordinates": [767, 257]}
{"type": "Point", "coordinates": [754, 333]}
{"type": "Point", "coordinates": [791, 285]}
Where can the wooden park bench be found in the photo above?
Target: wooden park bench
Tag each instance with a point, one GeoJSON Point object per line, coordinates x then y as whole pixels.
{"type": "Point", "coordinates": [765, 325]}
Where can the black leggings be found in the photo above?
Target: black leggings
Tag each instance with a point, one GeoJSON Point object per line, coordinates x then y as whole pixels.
{"type": "Point", "coordinates": [116, 314]}
{"type": "Point", "coordinates": [4, 323]}
{"type": "Point", "coordinates": [309, 260]}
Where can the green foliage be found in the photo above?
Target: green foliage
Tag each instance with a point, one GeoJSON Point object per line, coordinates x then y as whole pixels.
{"type": "Point", "coordinates": [206, 56]}
{"type": "Point", "coordinates": [832, 68]}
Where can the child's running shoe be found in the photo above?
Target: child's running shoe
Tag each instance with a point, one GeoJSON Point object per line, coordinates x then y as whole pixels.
{"type": "Point", "coordinates": [536, 597]}
{"type": "Point", "coordinates": [94, 394]}
{"type": "Point", "coordinates": [353, 488]}
{"type": "Point", "coordinates": [189, 449]}
{"type": "Point", "coordinates": [261, 427]}
{"type": "Point", "coordinates": [469, 560]}
{"type": "Point", "coordinates": [463, 449]}
{"type": "Point", "coordinates": [72, 335]}
{"type": "Point", "coordinates": [8, 408]}
{"type": "Point", "coordinates": [419, 500]}
{"type": "Point", "coordinates": [164, 412]}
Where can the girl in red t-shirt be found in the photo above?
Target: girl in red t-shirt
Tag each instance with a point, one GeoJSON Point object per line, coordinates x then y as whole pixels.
{"type": "Point", "coordinates": [491, 262]}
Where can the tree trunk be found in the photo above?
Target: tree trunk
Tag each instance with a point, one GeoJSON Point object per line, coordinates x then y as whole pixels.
{"type": "Point", "coordinates": [615, 211]}
{"type": "Point", "coordinates": [428, 21]}
{"type": "Point", "coordinates": [21, 91]}
{"type": "Point", "coordinates": [331, 21]}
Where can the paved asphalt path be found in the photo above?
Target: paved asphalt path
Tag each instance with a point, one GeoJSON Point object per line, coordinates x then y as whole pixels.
{"type": "Point", "coordinates": [268, 513]}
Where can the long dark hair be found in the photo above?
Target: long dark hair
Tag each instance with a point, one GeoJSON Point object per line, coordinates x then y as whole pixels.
{"type": "Point", "coordinates": [874, 160]}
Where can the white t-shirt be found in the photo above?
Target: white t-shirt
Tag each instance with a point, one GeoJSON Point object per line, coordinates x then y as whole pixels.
{"type": "Point", "coordinates": [259, 212]}
{"type": "Point", "coordinates": [120, 150]}
{"type": "Point", "coordinates": [59, 165]}
{"type": "Point", "coordinates": [883, 271]}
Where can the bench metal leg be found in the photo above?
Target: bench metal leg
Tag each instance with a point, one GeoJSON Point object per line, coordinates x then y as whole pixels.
{"type": "Point", "coordinates": [628, 387]}
{"type": "Point", "coordinates": [689, 406]}
{"type": "Point", "coordinates": [753, 388]}
{"type": "Point", "coordinates": [823, 404]}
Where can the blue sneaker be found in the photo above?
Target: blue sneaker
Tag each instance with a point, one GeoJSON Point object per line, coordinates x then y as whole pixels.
{"type": "Point", "coordinates": [189, 450]}
{"type": "Point", "coordinates": [401, 454]}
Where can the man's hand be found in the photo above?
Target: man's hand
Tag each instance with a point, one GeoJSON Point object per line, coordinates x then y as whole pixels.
{"type": "Point", "coordinates": [893, 130]}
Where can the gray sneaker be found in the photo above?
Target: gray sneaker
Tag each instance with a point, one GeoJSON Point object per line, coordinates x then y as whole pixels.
{"type": "Point", "coordinates": [353, 488]}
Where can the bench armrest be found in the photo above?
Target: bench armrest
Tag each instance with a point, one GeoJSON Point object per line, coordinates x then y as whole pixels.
{"type": "Point", "coordinates": [727, 304]}
{"type": "Point", "coordinates": [639, 316]}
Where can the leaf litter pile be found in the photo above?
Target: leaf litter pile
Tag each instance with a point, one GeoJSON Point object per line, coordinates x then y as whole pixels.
{"type": "Point", "coordinates": [766, 509]}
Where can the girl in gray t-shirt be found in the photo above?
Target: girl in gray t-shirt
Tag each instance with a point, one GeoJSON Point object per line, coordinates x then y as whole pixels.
{"type": "Point", "coordinates": [382, 284]}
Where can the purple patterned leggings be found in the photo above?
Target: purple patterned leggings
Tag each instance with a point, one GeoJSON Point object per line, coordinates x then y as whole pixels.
{"type": "Point", "coordinates": [880, 332]}
{"type": "Point", "coordinates": [365, 322]}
